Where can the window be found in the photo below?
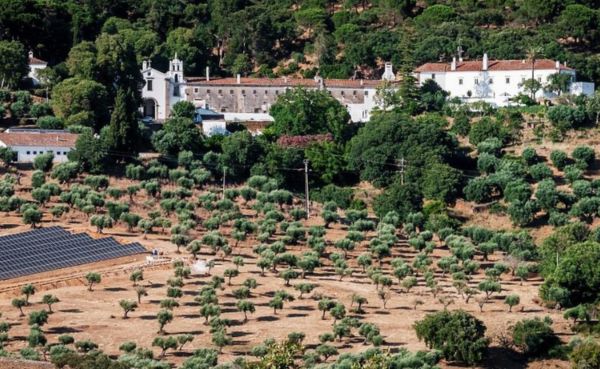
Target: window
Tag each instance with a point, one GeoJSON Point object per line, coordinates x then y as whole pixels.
{"type": "Point", "coordinates": [175, 90]}
{"type": "Point", "coordinates": [195, 90]}
{"type": "Point", "coordinates": [366, 93]}
{"type": "Point", "coordinates": [460, 81]}
{"type": "Point", "coordinates": [266, 92]}
{"type": "Point", "coordinates": [28, 152]}
{"type": "Point", "coordinates": [220, 92]}
{"type": "Point", "coordinates": [207, 92]}
{"type": "Point", "coordinates": [243, 92]}
{"type": "Point", "coordinates": [231, 92]}
{"type": "Point", "coordinates": [176, 78]}
{"type": "Point", "coordinates": [253, 92]}
{"type": "Point", "coordinates": [276, 92]}
{"type": "Point", "coordinates": [256, 110]}
{"type": "Point", "coordinates": [149, 85]}
{"type": "Point", "coordinates": [223, 110]}
{"type": "Point", "coordinates": [476, 81]}
{"type": "Point", "coordinates": [507, 79]}
{"type": "Point", "coordinates": [149, 74]}
{"type": "Point", "coordinates": [35, 153]}
{"type": "Point", "coordinates": [433, 76]}
{"type": "Point", "coordinates": [491, 81]}
{"type": "Point", "coordinates": [342, 93]}
{"type": "Point", "coordinates": [354, 93]}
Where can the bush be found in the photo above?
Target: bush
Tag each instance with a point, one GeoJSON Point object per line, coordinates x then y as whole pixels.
{"type": "Point", "coordinates": [584, 155]}
{"type": "Point", "coordinates": [457, 334]}
{"type": "Point", "coordinates": [342, 196]}
{"type": "Point", "coordinates": [40, 110]}
{"type": "Point", "coordinates": [50, 122]}
{"type": "Point", "coordinates": [539, 172]}
{"type": "Point", "coordinates": [559, 159]}
{"type": "Point", "coordinates": [534, 337]}
{"type": "Point", "coordinates": [529, 156]}
{"type": "Point", "coordinates": [491, 146]}
{"type": "Point", "coordinates": [43, 162]}
{"type": "Point", "coordinates": [586, 355]}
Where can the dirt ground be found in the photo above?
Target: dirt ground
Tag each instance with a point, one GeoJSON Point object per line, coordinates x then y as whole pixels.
{"type": "Point", "coordinates": [97, 315]}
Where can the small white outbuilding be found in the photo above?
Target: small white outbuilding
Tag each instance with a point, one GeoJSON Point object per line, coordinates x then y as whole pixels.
{"type": "Point", "coordinates": [29, 143]}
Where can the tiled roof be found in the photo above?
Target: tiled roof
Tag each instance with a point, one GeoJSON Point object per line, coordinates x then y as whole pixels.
{"type": "Point", "coordinates": [39, 138]}
{"type": "Point", "coordinates": [34, 60]}
{"type": "Point", "coordinates": [493, 65]}
{"type": "Point", "coordinates": [282, 82]}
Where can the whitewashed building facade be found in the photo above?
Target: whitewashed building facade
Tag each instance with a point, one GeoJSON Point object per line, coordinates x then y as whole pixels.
{"type": "Point", "coordinates": [248, 96]}
{"type": "Point", "coordinates": [29, 143]}
{"type": "Point", "coordinates": [496, 81]}
{"type": "Point", "coordinates": [35, 65]}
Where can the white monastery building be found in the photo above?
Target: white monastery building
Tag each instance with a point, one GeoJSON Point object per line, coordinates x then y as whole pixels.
{"type": "Point", "coordinates": [250, 98]}
{"type": "Point", "coordinates": [35, 65]}
{"type": "Point", "coordinates": [29, 143]}
{"type": "Point", "coordinates": [496, 81]}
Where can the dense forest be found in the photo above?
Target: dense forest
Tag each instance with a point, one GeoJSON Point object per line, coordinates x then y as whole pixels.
{"type": "Point", "coordinates": [339, 38]}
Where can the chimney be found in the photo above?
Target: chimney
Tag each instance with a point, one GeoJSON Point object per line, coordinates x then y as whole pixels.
{"type": "Point", "coordinates": [361, 82]}
{"type": "Point", "coordinates": [557, 64]}
{"type": "Point", "coordinates": [453, 65]}
{"type": "Point", "coordinates": [239, 79]}
{"type": "Point", "coordinates": [485, 62]}
{"type": "Point", "coordinates": [460, 59]}
{"type": "Point", "coordinates": [388, 74]}
{"type": "Point", "coordinates": [207, 74]}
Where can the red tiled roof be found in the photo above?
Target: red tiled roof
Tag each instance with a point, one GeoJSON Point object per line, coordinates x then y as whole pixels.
{"type": "Point", "coordinates": [34, 60]}
{"type": "Point", "coordinates": [282, 82]}
{"type": "Point", "coordinates": [493, 65]}
{"type": "Point", "coordinates": [37, 138]}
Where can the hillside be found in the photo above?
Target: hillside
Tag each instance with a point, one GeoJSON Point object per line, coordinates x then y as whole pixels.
{"type": "Point", "coordinates": [337, 39]}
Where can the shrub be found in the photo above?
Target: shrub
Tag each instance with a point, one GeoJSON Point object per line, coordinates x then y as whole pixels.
{"type": "Point", "coordinates": [534, 337]}
{"type": "Point", "coordinates": [342, 196]}
{"type": "Point", "coordinates": [585, 155]}
{"type": "Point", "coordinates": [529, 156]}
{"type": "Point", "coordinates": [43, 162]}
{"type": "Point", "coordinates": [559, 159]}
{"type": "Point", "coordinates": [487, 163]}
{"type": "Point", "coordinates": [457, 334]}
{"type": "Point", "coordinates": [539, 172]}
{"type": "Point", "coordinates": [50, 122]}
{"type": "Point", "coordinates": [491, 145]}
{"type": "Point", "coordinates": [586, 355]}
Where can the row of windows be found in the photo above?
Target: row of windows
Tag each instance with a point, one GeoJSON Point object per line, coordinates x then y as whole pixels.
{"type": "Point", "coordinates": [491, 80]}
{"type": "Point", "coordinates": [49, 151]}
{"type": "Point", "coordinates": [254, 92]}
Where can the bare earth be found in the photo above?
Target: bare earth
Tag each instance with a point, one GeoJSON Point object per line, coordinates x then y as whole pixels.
{"type": "Point", "coordinates": [97, 316]}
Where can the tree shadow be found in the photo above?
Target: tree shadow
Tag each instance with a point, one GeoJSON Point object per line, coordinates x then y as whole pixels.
{"type": "Point", "coordinates": [267, 318]}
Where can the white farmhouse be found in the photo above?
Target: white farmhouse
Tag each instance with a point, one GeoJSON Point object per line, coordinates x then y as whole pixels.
{"type": "Point", "coordinates": [251, 98]}
{"type": "Point", "coordinates": [35, 65]}
{"type": "Point", "coordinates": [29, 143]}
{"type": "Point", "coordinates": [496, 81]}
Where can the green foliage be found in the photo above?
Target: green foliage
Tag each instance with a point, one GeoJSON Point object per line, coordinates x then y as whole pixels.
{"type": "Point", "coordinates": [534, 337]}
{"type": "Point", "coordinates": [458, 335]}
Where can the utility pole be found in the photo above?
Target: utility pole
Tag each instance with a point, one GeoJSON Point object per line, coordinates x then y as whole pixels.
{"type": "Point", "coordinates": [224, 175]}
{"type": "Point", "coordinates": [307, 204]}
{"type": "Point", "coordinates": [401, 166]}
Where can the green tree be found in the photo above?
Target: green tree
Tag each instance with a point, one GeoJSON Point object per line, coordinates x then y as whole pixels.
{"type": "Point", "coordinates": [50, 300]}
{"type": "Point", "coordinates": [534, 337]}
{"type": "Point", "coordinates": [246, 306]}
{"type": "Point", "coordinates": [92, 279]}
{"type": "Point", "coordinates": [164, 317]}
{"type": "Point", "coordinates": [457, 334]}
{"type": "Point", "coordinates": [123, 136]}
{"type": "Point", "coordinates": [302, 112]}
{"type": "Point", "coordinates": [81, 101]}
{"type": "Point", "coordinates": [127, 306]}
{"type": "Point", "coordinates": [13, 63]}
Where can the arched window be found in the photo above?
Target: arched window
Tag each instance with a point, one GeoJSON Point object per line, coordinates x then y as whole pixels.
{"type": "Point", "coordinates": [176, 78]}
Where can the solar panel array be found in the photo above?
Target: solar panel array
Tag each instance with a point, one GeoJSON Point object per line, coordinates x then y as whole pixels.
{"type": "Point", "coordinates": [44, 249]}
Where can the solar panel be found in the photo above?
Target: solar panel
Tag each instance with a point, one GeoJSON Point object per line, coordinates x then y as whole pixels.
{"type": "Point", "coordinates": [45, 249]}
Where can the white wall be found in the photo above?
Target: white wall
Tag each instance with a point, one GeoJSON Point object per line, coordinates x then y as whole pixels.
{"type": "Point", "coordinates": [33, 69]}
{"type": "Point", "coordinates": [492, 86]}
{"type": "Point", "coordinates": [26, 154]}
